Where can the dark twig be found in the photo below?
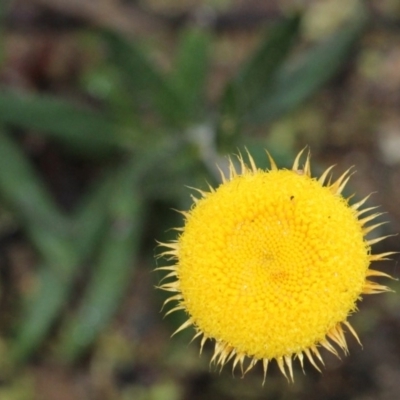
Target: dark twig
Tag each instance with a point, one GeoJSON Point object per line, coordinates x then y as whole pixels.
{"type": "Point", "coordinates": [61, 15]}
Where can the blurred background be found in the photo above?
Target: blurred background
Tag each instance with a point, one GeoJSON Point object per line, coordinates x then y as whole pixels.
{"type": "Point", "coordinates": [109, 110]}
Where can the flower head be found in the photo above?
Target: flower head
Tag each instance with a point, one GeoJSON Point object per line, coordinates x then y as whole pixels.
{"type": "Point", "coordinates": [271, 264]}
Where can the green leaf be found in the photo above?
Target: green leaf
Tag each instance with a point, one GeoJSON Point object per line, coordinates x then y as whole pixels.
{"type": "Point", "coordinates": [296, 82]}
{"type": "Point", "coordinates": [40, 312]}
{"type": "Point", "coordinates": [90, 220]}
{"type": "Point", "coordinates": [49, 231]}
{"type": "Point", "coordinates": [191, 65]}
{"type": "Point", "coordinates": [146, 84]}
{"type": "Point", "coordinates": [81, 128]}
{"type": "Point", "coordinates": [62, 258]}
{"type": "Point", "coordinates": [255, 77]}
{"type": "Point", "coordinates": [22, 189]}
{"type": "Point", "coordinates": [113, 271]}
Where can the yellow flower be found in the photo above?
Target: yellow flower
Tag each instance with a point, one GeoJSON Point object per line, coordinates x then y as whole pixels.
{"type": "Point", "coordinates": [271, 264]}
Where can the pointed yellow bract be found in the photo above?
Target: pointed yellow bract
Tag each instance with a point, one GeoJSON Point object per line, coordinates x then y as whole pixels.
{"type": "Point", "coordinates": [271, 264]}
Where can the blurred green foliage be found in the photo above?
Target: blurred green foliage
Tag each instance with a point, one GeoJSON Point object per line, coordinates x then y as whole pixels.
{"type": "Point", "coordinates": [150, 132]}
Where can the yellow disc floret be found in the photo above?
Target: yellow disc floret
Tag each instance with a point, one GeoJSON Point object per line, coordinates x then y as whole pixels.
{"type": "Point", "coordinates": [271, 264]}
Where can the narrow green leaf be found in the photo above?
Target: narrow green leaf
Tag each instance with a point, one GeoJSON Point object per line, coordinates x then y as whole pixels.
{"type": "Point", "coordinates": [113, 272]}
{"type": "Point", "coordinates": [254, 79]}
{"type": "Point", "coordinates": [25, 193]}
{"type": "Point", "coordinates": [81, 128]}
{"type": "Point", "coordinates": [115, 199]}
{"type": "Point", "coordinates": [90, 219]}
{"type": "Point", "coordinates": [257, 74]}
{"type": "Point", "coordinates": [191, 65]}
{"type": "Point", "coordinates": [295, 83]}
{"type": "Point", "coordinates": [40, 312]}
{"type": "Point", "coordinates": [49, 231]}
{"type": "Point", "coordinates": [146, 83]}
{"type": "Point", "coordinates": [62, 258]}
